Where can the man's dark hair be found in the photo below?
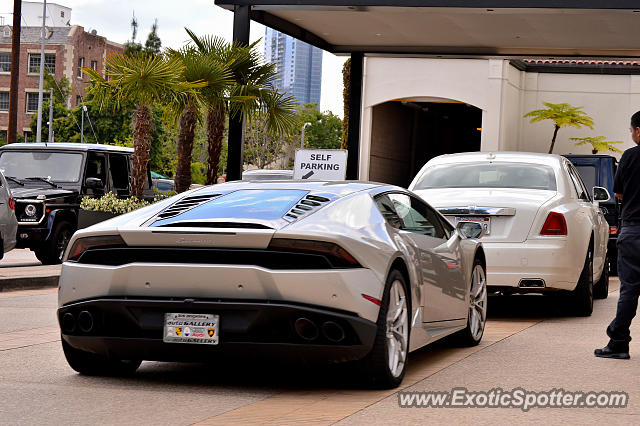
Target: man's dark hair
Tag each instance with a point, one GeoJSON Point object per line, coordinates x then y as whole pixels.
{"type": "Point", "coordinates": [635, 120]}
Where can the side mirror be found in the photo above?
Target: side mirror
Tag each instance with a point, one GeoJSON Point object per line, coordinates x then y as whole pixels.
{"type": "Point", "coordinates": [600, 194]}
{"type": "Point", "coordinates": [468, 229]}
{"type": "Point", "coordinates": [94, 183]}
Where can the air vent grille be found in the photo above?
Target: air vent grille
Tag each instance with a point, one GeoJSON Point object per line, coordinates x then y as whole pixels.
{"type": "Point", "coordinates": [307, 205]}
{"type": "Point", "coordinates": [185, 204]}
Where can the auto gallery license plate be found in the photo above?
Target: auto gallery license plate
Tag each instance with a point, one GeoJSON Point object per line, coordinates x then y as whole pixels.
{"type": "Point", "coordinates": [482, 220]}
{"type": "Point", "coordinates": [191, 328]}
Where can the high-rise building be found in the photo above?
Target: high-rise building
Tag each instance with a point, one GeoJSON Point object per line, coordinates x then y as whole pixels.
{"type": "Point", "coordinates": [299, 66]}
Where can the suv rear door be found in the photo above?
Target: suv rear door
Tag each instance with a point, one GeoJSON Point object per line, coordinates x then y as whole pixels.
{"type": "Point", "coordinates": [119, 174]}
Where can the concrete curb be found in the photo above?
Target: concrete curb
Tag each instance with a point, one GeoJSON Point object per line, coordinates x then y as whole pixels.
{"type": "Point", "coordinates": [32, 282]}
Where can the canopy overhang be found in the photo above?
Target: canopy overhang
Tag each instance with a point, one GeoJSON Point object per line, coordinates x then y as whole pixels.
{"type": "Point", "coordinates": [488, 28]}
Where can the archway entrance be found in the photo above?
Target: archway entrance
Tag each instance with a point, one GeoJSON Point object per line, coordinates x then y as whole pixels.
{"type": "Point", "coordinates": [407, 134]}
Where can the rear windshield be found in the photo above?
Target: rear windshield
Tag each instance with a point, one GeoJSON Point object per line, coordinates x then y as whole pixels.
{"type": "Point", "coordinates": [489, 175]}
{"type": "Point", "coordinates": [268, 204]}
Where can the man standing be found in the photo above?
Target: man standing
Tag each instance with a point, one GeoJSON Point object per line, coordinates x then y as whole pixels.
{"type": "Point", "coordinates": [626, 187]}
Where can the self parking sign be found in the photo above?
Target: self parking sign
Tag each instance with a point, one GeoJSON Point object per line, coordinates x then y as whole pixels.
{"type": "Point", "coordinates": [320, 164]}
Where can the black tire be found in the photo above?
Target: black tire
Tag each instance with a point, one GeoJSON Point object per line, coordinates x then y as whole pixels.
{"type": "Point", "coordinates": [53, 249]}
{"type": "Point", "coordinates": [375, 366]}
{"type": "Point", "coordinates": [466, 337]}
{"type": "Point", "coordinates": [613, 265]}
{"type": "Point", "coordinates": [95, 365]}
{"type": "Point", "coordinates": [582, 295]}
{"type": "Point", "coordinates": [601, 288]}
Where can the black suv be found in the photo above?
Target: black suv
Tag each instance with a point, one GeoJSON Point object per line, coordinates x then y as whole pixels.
{"type": "Point", "coordinates": [599, 170]}
{"type": "Point", "coordinates": [49, 180]}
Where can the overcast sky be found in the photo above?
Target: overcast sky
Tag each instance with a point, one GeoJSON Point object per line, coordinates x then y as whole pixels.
{"type": "Point", "coordinates": [112, 19]}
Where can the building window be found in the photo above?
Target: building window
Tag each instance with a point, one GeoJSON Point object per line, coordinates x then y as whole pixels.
{"type": "Point", "coordinates": [80, 66]}
{"type": "Point", "coordinates": [4, 101]}
{"type": "Point", "coordinates": [49, 63]}
{"type": "Point", "coordinates": [94, 65]}
{"type": "Point", "coordinates": [3, 136]}
{"type": "Point", "coordinates": [62, 13]}
{"type": "Point", "coordinates": [78, 100]}
{"type": "Point", "coordinates": [32, 101]}
{"type": "Point", "coordinates": [27, 135]}
{"type": "Point", "coordinates": [5, 62]}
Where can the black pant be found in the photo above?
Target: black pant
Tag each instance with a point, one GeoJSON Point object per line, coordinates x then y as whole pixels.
{"type": "Point", "coordinates": [629, 273]}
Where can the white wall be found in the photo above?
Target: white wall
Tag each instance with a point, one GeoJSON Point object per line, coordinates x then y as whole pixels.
{"type": "Point", "coordinates": [609, 99]}
{"type": "Point", "coordinates": [32, 14]}
{"type": "Point", "coordinates": [504, 94]}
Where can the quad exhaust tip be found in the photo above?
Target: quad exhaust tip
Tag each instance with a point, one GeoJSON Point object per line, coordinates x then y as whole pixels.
{"type": "Point", "coordinates": [85, 321]}
{"type": "Point", "coordinates": [306, 329]}
{"type": "Point", "coordinates": [68, 323]}
{"type": "Point", "coordinates": [333, 332]}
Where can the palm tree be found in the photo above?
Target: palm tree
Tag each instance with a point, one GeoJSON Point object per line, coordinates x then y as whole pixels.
{"type": "Point", "coordinates": [562, 115]}
{"type": "Point", "coordinates": [598, 143]}
{"type": "Point", "coordinates": [197, 67]}
{"type": "Point", "coordinates": [251, 93]}
{"type": "Point", "coordinates": [143, 80]}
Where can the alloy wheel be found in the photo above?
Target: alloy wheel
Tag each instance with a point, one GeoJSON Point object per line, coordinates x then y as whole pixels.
{"type": "Point", "coordinates": [397, 328]}
{"type": "Point", "coordinates": [478, 302]}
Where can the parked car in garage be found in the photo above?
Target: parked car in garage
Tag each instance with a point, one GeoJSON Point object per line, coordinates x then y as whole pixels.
{"type": "Point", "coordinates": [544, 231]}
{"type": "Point", "coordinates": [599, 170]}
{"type": "Point", "coordinates": [48, 182]}
{"type": "Point", "coordinates": [8, 221]}
{"type": "Point", "coordinates": [323, 271]}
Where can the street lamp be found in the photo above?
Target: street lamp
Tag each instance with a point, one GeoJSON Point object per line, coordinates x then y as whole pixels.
{"type": "Point", "coordinates": [302, 134]}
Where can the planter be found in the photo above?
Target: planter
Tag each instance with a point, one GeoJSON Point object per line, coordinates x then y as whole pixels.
{"type": "Point", "coordinates": [87, 218]}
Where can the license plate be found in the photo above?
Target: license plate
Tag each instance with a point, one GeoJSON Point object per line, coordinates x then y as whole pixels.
{"type": "Point", "coordinates": [482, 220]}
{"type": "Point", "coordinates": [191, 328]}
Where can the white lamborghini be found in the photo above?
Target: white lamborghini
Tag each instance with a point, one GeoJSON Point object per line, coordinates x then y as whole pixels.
{"type": "Point", "coordinates": [330, 272]}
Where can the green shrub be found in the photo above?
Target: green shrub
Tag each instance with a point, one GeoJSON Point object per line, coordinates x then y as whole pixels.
{"type": "Point", "coordinates": [111, 204]}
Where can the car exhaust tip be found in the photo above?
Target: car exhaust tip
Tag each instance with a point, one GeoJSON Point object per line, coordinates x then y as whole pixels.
{"type": "Point", "coordinates": [306, 329]}
{"type": "Point", "coordinates": [68, 323]}
{"type": "Point", "coordinates": [85, 321]}
{"type": "Point", "coordinates": [333, 332]}
{"type": "Point", "coordinates": [532, 283]}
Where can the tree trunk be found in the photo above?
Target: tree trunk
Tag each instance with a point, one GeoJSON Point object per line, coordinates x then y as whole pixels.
{"type": "Point", "coordinates": [142, 128]}
{"type": "Point", "coordinates": [346, 99]}
{"type": "Point", "coordinates": [186, 133]}
{"type": "Point", "coordinates": [553, 140]}
{"type": "Point", "coordinates": [215, 134]}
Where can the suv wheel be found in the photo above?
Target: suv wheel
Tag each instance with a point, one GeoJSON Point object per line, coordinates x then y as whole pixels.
{"type": "Point", "coordinates": [53, 249]}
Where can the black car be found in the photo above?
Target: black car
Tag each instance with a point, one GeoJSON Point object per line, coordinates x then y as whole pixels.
{"type": "Point", "coordinates": [48, 182]}
{"type": "Point", "coordinates": [599, 170]}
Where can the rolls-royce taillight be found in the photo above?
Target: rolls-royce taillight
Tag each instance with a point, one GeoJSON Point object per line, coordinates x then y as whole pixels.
{"type": "Point", "coordinates": [554, 225]}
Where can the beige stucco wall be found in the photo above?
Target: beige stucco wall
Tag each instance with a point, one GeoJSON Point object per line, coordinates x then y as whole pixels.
{"type": "Point", "coordinates": [504, 94]}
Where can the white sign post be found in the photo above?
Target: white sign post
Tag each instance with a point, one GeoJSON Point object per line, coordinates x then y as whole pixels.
{"type": "Point", "coordinates": [320, 164]}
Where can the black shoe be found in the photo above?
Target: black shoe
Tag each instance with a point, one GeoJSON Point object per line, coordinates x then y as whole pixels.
{"type": "Point", "coordinates": [608, 352]}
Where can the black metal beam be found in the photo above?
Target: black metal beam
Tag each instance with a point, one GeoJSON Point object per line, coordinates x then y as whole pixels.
{"type": "Point", "coordinates": [235, 141]}
{"type": "Point", "coordinates": [290, 29]}
{"type": "Point", "coordinates": [12, 129]}
{"type": "Point", "coordinates": [355, 107]}
{"type": "Point", "coordinates": [490, 4]}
